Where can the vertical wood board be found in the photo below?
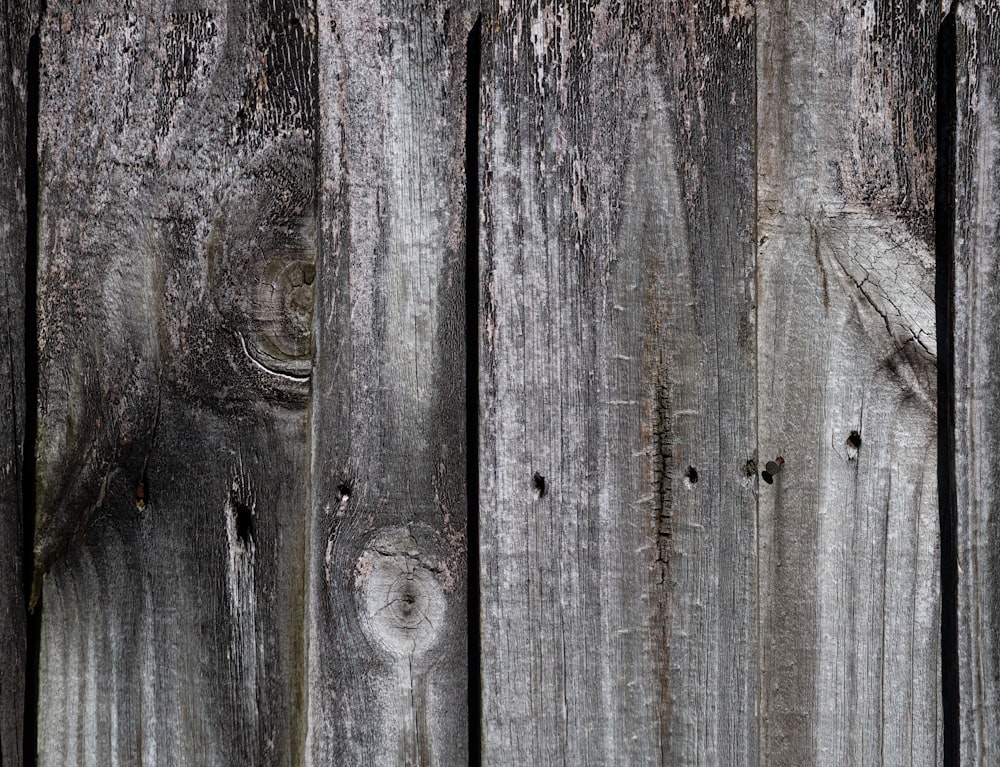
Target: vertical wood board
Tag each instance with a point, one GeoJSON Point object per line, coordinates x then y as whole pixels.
{"type": "Point", "coordinates": [16, 21]}
{"type": "Point", "coordinates": [977, 396]}
{"type": "Point", "coordinates": [849, 580]}
{"type": "Point", "coordinates": [388, 663]}
{"type": "Point", "coordinates": [177, 257]}
{"type": "Point", "coordinates": [617, 385]}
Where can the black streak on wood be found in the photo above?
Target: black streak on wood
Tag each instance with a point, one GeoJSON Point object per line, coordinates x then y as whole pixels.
{"type": "Point", "coordinates": [472, 336]}
{"type": "Point", "coordinates": [31, 397]}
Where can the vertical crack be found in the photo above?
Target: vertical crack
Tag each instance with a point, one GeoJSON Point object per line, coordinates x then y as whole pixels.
{"type": "Point", "coordinates": [473, 76]}
{"type": "Point", "coordinates": [944, 224]}
{"type": "Point", "coordinates": [30, 745]}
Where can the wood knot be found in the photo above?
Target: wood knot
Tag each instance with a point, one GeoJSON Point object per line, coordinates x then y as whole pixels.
{"type": "Point", "coordinates": [401, 601]}
{"type": "Point", "coordinates": [262, 262]}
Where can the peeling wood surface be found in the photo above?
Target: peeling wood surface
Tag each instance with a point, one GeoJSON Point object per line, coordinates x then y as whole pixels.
{"type": "Point", "coordinates": [618, 385]}
{"type": "Point", "coordinates": [16, 20]}
{"type": "Point", "coordinates": [849, 546]}
{"type": "Point", "coordinates": [387, 680]}
{"type": "Point", "coordinates": [977, 397]}
{"type": "Point", "coordinates": [177, 240]}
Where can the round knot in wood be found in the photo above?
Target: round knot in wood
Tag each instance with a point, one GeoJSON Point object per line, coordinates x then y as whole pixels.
{"type": "Point", "coordinates": [401, 603]}
{"type": "Point", "coordinates": [262, 267]}
{"type": "Point", "coordinates": [283, 310]}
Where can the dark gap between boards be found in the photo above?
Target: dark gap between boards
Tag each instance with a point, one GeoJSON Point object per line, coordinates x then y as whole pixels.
{"type": "Point", "coordinates": [473, 76]}
{"type": "Point", "coordinates": [33, 634]}
{"type": "Point", "coordinates": [944, 227]}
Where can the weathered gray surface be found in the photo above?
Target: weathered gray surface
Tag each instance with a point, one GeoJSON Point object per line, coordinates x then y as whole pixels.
{"type": "Point", "coordinates": [849, 594]}
{"type": "Point", "coordinates": [16, 19]}
{"type": "Point", "coordinates": [178, 266]}
{"type": "Point", "coordinates": [977, 385]}
{"type": "Point", "coordinates": [387, 679]}
{"type": "Point", "coordinates": [617, 361]}
{"type": "Point", "coordinates": [292, 589]}
{"type": "Point", "coordinates": [178, 233]}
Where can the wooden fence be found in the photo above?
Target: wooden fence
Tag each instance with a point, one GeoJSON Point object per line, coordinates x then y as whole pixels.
{"type": "Point", "coordinates": [405, 383]}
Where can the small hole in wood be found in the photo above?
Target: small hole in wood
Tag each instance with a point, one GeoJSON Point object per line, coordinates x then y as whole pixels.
{"type": "Point", "coordinates": [538, 483]}
{"type": "Point", "coordinates": [692, 475]}
{"type": "Point", "coordinates": [243, 517]}
{"type": "Point", "coordinates": [750, 468]}
{"type": "Point", "coordinates": [344, 491]}
{"type": "Point", "coordinates": [854, 440]}
{"type": "Point", "coordinates": [141, 494]}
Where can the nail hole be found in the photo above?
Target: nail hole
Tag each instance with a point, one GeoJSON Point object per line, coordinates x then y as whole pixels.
{"type": "Point", "coordinates": [538, 483]}
{"type": "Point", "coordinates": [692, 475]}
{"type": "Point", "coordinates": [854, 440]}
{"type": "Point", "coordinates": [243, 516]}
{"type": "Point", "coordinates": [344, 491]}
{"type": "Point", "coordinates": [141, 494]}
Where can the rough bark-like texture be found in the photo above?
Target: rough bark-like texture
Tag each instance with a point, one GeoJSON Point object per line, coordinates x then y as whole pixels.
{"type": "Point", "coordinates": [977, 385]}
{"type": "Point", "coordinates": [387, 681]}
{"type": "Point", "coordinates": [618, 402]}
{"type": "Point", "coordinates": [849, 594]}
{"type": "Point", "coordinates": [177, 250]}
{"type": "Point", "coordinates": [16, 19]}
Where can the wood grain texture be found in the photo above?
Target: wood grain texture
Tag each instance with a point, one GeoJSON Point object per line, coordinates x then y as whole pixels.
{"type": "Point", "coordinates": [849, 546]}
{"type": "Point", "coordinates": [16, 23]}
{"type": "Point", "coordinates": [618, 385]}
{"type": "Point", "coordinates": [177, 256]}
{"type": "Point", "coordinates": [387, 675]}
{"type": "Point", "coordinates": [977, 396]}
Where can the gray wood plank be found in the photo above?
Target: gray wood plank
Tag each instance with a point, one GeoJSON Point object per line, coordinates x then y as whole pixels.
{"type": "Point", "coordinates": [849, 546]}
{"type": "Point", "coordinates": [178, 238]}
{"type": "Point", "coordinates": [16, 24]}
{"type": "Point", "coordinates": [618, 385]}
{"type": "Point", "coordinates": [387, 674]}
{"type": "Point", "coordinates": [977, 404]}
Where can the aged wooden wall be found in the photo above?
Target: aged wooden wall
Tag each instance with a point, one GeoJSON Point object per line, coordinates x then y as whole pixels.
{"type": "Point", "coordinates": [249, 558]}
{"type": "Point", "coordinates": [707, 239]}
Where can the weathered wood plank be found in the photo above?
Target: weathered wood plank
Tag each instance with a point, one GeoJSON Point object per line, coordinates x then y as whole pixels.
{"type": "Point", "coordinates": [16, 23]}
{"type": "Point", "coordinates": [178, 238]}
{"type": "Point", "coordinates": [618, 385]}
{"type": "Point", "coordinates": [977, 396]}
{"type": "Point", "coordinates": [849, 582]}
{"type": "Point", "coordinates": [387, 678]}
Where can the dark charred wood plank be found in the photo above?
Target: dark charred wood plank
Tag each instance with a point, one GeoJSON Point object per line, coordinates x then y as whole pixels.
{"type": "Point", "coordinates": [17, 20]}
{"type": "Point", "coordinates": [177, 261]}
